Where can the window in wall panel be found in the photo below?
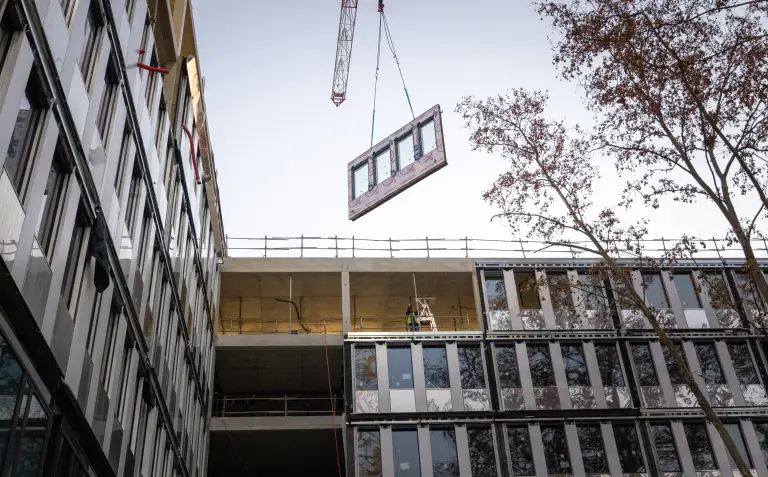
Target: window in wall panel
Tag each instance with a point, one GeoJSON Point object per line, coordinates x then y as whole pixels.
{"type": "Point", "coordinates": [575, 365]}
{"type": "Point", "coordinates": [666, 451]}
{"type": "Point", "coordinates": [32, 444]}
{"type": "Point", "coordinates": [22, 149]}
{"type": "Point", "coordinates": [149, 91]}
{"type": "Point", "coordinates": [592, 449]}
{"type": "Point", "coordinates": [7, 31]}
{"type": "Point", "coordinates": [622, 294]}
{"type": "Point", "coordinates": [471, 367]}
{"type": "Point", "coordinates": [110, 350]}
{"type": "Point", "coordinates": [610, 365]}
{"type": "Point", "coordinates": [91, 39]}
{"type": "Point", "coordinates": [404, 152]}
{"type": "Point", "coordinates": [124, 376]}
{"type": "Point", "coordinates": [591, 291]}
{"type": "Point", "coordinates": [750, 296]}
{"type": "Point", "coordinates": [556, 450]}
{"type": "Point", "coordinates": [734, 430]}
{"type": "Point", "coordinates": [90, 341]}
{"type": "Point", "coordinates": [527, 291]}
{"type": "Point", "coordinates": [540, 362]}
{"type": "Point", "coordinates": [496, 294]}
{"type": "Point", "coordinates": [360, 180]}
{"type": "Point", "coordinates": [506, 360]}
{"type": "Point", "coordinates": [520, 453]}
{"type": "Point", "coordinates": [717, 289]}
{"type": "Point", "coordinates": [405, 446]}
{"type": "Point", "coordinates": [761, 430]}
{"type": "Point", "coordinates": [11, 374]}
{"type": "Point", "coordinates": [122, 160]}
{"type": "Point", "coordinates": [445, 460]}
{"type": "Point", "coordinates": [53, 200]}
{"type": "Point", "coordinates": [75, 259]}
{"type": "Point", "coordinates": [482, 456]}
{"type": "Point", "coordinates": [436, 367]}
{"type": "Point", "coordinates": [144, 238]}
{"type": "Point", "coordinates": [646, 372]}
{"type": "Point", "coordinates": [653, 290]}
{"type": "Point", "coordinates": [400, 367]}
{"type": "Point", "coordinates": [129, 7]}
{"type": "Point", "coordinates": [628, 446]}
{"type": "Point", "coordinates": [711, 370]}
{"type": "Point", "coordinates": [700, 447]}
{"type": "Point", "coordinates": [134, 191]}
{"type": "Point", "coordinates": [383, 166]}
{"type": "Point", "coordinates": [742, 363]}
{"type": "Point", "coordinates": [109, 96]}
{"type": "Point", "coordinates": [675, 376]}
{"type": "Point", "coordinates": [559, 286]}
{"type": "Point", "coordinates": [427, 138]}
{"type": "Point", "coordinates": [686, 290]}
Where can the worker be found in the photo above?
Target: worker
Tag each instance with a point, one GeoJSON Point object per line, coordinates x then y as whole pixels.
{"type": "Point", "coordinates": [411, 319]}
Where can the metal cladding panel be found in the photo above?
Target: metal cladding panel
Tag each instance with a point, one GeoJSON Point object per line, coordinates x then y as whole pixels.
{"type": "Point", "coordinates": [424, 163]}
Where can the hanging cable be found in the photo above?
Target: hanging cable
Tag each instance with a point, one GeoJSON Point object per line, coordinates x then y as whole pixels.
{"type": "Point", "coordinates": [234, 446]}
{"type": "Point", "coordinates": [394, 55]}
{"type": "Point", "coordinates": [330, 395]}
{"type": "Point", "coordinates": [376, 80]}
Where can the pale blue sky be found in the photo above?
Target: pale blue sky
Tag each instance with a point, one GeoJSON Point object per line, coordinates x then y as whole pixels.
{"type": "Point", "coordinates": [282, 147]}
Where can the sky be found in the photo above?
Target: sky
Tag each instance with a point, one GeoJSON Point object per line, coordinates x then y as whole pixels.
{"type": "Point", "coordinates": [282, 147]}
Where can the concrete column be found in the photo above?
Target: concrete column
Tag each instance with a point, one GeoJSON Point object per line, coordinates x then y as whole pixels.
{"type": "Point", "coordinates": [730, 374]}
{"type": "Point", "coordinates": [683, 451]}
{"type": "Point", "coordinates": [346, 309]}
{"type": "Point", "coordinates": [462, 449]}
{"type": "Point", "coordinates": [750, 438]}
{"type": "Point", "coordinates": [611, 451]}
{"type": "Point", "coordinates": [674, 299]}
{"type": "Point", "coordinates": [387, 453]}
{"type": "Point", "coordinates": [425, 452]}
{"type": "Point", "coordinates": [706, 302]}
{"type": "Point", "coordinates": [721, 453]}
{"type": "Point", "coordinates": [454, 374]}
{"type": "Point", "coordinates": [663, 375]}
{"type": "Point", "coordinates": [526, 381]}
{"type": "Point", "coordinates": [512, 301]}
{"type": "Point", "coordinates": [382, 378]}
{"type": "Point", "coordinates": [593, 368]}
{"type": "Point", "coordinates": [419, 381]}
{"type": "Point", "coordinates": [537, 449]}
{"type": "Point", "coordinates": [577, 464]}
{"type": "Point", "coordinates": [546, 301]}
{"type": "Point", "coordinates": [559, 370]}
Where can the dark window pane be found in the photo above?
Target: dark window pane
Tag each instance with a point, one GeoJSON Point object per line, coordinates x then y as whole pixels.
{"type": "Point", "coordinates": [628, 445]}
{"type": "Point", "coordinates": [540, 362]}
{"type": "Point", "coordinates": [369, 453]}
{"type": "Point", "coordinates": [646, 373]}
{"type": "Point", "coordinates": [405, 445]}
{"type": "Point", "coordinates": [559, 290]}
{"type": "Point", "coordinates": [496, 294]}
{"type": "Point", "coordinates": [592, 449]}
{"type": "Point", "coordinates": [686, 290]}
{"type": "Point", "coordinates": [31, 448]}
{"type": "Point", "coordinates": [520, 453]}
{"type": "Point", "coordinates": [575, 365]}
{"type": "Point", "coordinates": [761, 429]}
{"type": "Point", "coordinates": [610, 365]}
{"type": "Point", "coordinates": [436, 368]}
{"type": "Point", "coordinates": [738, 440]}
{"type": "Point", "coordinates": [509, 376]}
{"type": "Point", "coordinates": [742, 363]}
{"type": "Point", "coordinates": [471, 367]}
{"type": "Point", "coordinates": [365, 369]}
{"type": "Point", "coordinates": [20, 150]}
{"type": "Point", "coordinates": [527, 291]}
{"type": "Point", "coordinates": [711, 370]}
{"type": "Point", "coordinates": [10, 381]}
{"type": "Point", "coordinates": [400, 368]}
{"type": "Point", "coordinates": [675, 376]}
{"type": "Point", "coordinates": [666, 451]}
{"type": "Point", "coordinates": [701, 450]}
{"type": "Point", "coordinates": [717, 289]}
{"type": "Point", "coordinates": [445, 460]}
{"type": "Point", "coordinates": [482, 457]}
{"type": "Point", "coordinates": [655, 296]}
{"type": "Point", "coordinates": [556, 450]}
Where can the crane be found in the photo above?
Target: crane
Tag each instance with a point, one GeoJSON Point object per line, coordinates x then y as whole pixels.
{"type": "Point", "coordinates": [344, 50]}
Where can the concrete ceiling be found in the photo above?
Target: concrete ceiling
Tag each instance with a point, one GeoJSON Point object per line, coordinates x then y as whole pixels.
{"type": "Point", "coordinates": [401, 284]}
{"type": "Point", "coordinates": [280, 284]}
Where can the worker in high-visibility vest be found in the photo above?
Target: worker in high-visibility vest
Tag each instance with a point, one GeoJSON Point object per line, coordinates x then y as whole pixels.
{"type": "Point", "coordinates": [411, 319]}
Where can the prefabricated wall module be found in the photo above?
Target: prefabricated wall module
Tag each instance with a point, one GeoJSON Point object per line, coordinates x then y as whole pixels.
{"type": "Point", "coordinates": [401, 160]}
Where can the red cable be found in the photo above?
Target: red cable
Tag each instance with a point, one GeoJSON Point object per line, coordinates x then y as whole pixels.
{"type": "Point", "coordinates": [153, 69]}
{"type": "Point", "coordinates": [192, 151]}
{"type": "Point", "coordinates": [330, 395]}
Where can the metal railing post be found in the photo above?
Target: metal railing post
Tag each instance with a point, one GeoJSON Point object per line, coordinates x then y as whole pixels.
{"type": "Point", "coordinates": [427, 246]}
{"type": "Point", "coordinates": [224, 407]}
{"type": "Point", "coordinates": [336, 245]}
{"type": "Point", "coordinates": [276, 331]}
{"type": "Point", "coordinates": [391, 255]}
{"type": "Point", "coordinates": [265, 246]}
{"type": "Point", "coordinates": [353, 246]}
{"type": "Point", "coordinates": [301, 247]}
{"type": "Point", "coordinates": [466, 246]}
{"type": "Point", "coordinates": [285, 406]}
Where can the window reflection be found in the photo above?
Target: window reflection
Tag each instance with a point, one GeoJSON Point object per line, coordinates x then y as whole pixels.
{"type": "Point", "coordinates": [761, 429]}
{"type": "Point", "coordinates": [383, 167]}
{"type": "Point", "coordinates": [646, 373]}
{"type": "Point", "coordinates": [575, 365]}
{"type": "Point", "coordinates": [711, 370]}
{"type": "Point", "coordinates": [445, 460]}
{"type": "Point", "coordinates": [365, 369]}
{"type": "Point", "coordinates": [471, 367]}
{"type": "Point", "coordinates": [427, 137]}
{"type": "Point", "coordinates": [559, 287]}
{"type": "Point", "coordinates": [717, 289]}
{"type": "Point", "coordinates": [734, 430]}
{"type": "Point", "coordinates": [540, 362]}
{"type": "Point", "coordinates": [591, 288]}
{"type": "Point", "coordinates": [653, 289]}
{"type": "Point", "coordinates": [675, 376]}
{"type": "Point", "coordinates": [701, 450]}
{"type": "Point", "coordinates": [360, 180]}
{"type": "Point", "coordinates": [592, 449]}
{"type": "Point", "coordinates": [666, 452]}
{"type": "Point", "coordinates": [520, 453]}
{"type": "Point", "coordinates": [742, 363]}
{"type": "Point", "coordinates": [556, 450]}
{"type": "Point", "coordinates": [496, 294]}
{"type": "Point", "coordinates": [10, 383]}
{"type": "Point", "coordinates": [404, 152]}
{"type": "Point", "coordinates": [610, 365]}
{"type": "Point", "coordinates": [628, 445]}
{"type": "Point", "coordinates": [31, 447]}
{"type": "Point", "coordinates": [686, 290]}
{"type": "Point", "coordinates": [400, 368]}
{"type": "Point", "coordinates": [506, 359]}
{"type": "Point", "coordinates": [750, 297]}
{"type": "Point", "coordinates": [369, 453]}
{"type": "Point", "coordinates": [405, 444]}
{"type": "Point", "coordinates": [436, 368]}
{"type": "Point", "coordinates": [622, 294]}
{"type": "Point", "coordinates": [482, 457]}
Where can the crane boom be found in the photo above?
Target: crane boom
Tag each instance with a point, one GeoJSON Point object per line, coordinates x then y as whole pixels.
{"type": "Point", "coordinates": [344, 50]}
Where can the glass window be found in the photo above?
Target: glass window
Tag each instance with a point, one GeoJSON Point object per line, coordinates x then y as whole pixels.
{"type": "Point", "coordinates": [445, 460]}
{"type": "Point", "coordinates": [527, 291]}
{"type": "Point", "coordinates": [701, 450]}
{"type": "Point", "coordinates": [520, 453]}
{"type": "Point", "coordinates": [592, 449]}
{"type": "Point", "coordinates": [666, 451]}
{"type": "Point", "coordinates": [365, 369]}
{"type": "Point", "coordinates": [646, 372]}
{"type": "Point", "coordinates": [750, 297]}
{"type": "Point", "coordinates": [53, 199]}
{"type": "Point", "coordinates": [405, 444]}
{"type": "Point", "coordinates": [734, 429]}
{"type": "Point", "coordinates": [540, 362]}
{"type": "Point", "coordinates": [575, 365]}
{"type": "Point", "coordinates": [496, 294]}
{"type": "Point", "coordinates": [383, 166]}
{"type": "Point", "coordinates": [10, 382]}
{"type": "Point", "coordinates": [653, 288]}
{"type": "Point", "coordinates": [742, 363]}
{"type": "Point", "coordinates": [108, 100]}
{"type": "Point", "coordinates": [427, 137]}
{"type": "Point", "coordinates": [7, 30]}
{"type": "Point", "coordinates": [556, 450]}
{"type": "Point", "coordinates": [482, 456]}
{"type": "Point", "coordinates": [471, 367]}
{"type": "Point", "coordinates": [761, 429]}
{"type": "Point", "coordinates": [360, 180]}
{"type": "Point", "coordinates": [436, 368]}
{"type": "Point", "coordinates": [622, 294]}
{"type": "Point", "coordinates": [76, 248]}
{"type": "Point", "coordinates": [711, 370]}
{"type": "Point", "coordinates": [591, 288]}
{"type": "Point", "coordinates": [400, 368]}
{"type": "Point", "coordinates": [91, 34]}
{"type": "Point", "coordinates": [559, 290]}
{"type": "Point", "coordinates": [404, 152]}
{"type": "Point", "coordinates": [609, 364]}
{"type": "Point", "coordinates": [506, 360]}
{"type": "Point", "coordinates": [21, 149]}
{"type": "Point", "coordinates": [369, 453]}
{"type": "Point", "coordinates": [31, 447]}
{"type": "Point", "coordinates": [717, 289]}
{"type": "Point", "coordinates": [675, 376]}
{"type": "Point", "coordinates": [686, 290]}
{"type": "Point", "coordinates": [134, 191]}
{"type": "Point", "coordinates": [628, 446]}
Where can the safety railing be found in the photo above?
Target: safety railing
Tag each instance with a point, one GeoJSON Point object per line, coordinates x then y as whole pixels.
{"type": "Point", "coordinates": [268, 326]}
{"type": "Point", "coordinates": [399, 324]}
{"type": "Point", "coordinates": [285, 405]}
{"type": "Point", "coordinates": [307, 246]}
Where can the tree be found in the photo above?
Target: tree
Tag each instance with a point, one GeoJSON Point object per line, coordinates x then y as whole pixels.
{"type": "Point", "coordinates": [547, 194]}
{"type": "Point", "coordinates": [678, 87]}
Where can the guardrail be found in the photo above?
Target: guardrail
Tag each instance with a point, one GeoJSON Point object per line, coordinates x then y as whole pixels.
{"type": "Point", "coordinates": [397, 324]}
{"type": "Point", "coordinates": [254, 406]}
{"type": "Point", "coordinates": [307, 246]}
{"type": "Point", "coordinates": [266, 326]}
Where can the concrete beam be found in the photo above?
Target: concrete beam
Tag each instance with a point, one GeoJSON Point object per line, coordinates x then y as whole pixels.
{"type": "Point", "coordinates": [274, 423]}
{"type": "Point", "coordinates": [286, 265]}
{"type": "Point", "coordinates": [278, 341]}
